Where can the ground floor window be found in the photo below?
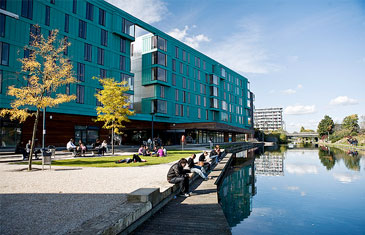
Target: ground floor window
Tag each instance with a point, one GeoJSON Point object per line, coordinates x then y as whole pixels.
{"type": "Point", "coordinates": [87, 134]}
{"type": "Point", "coordinates": [10, 133]}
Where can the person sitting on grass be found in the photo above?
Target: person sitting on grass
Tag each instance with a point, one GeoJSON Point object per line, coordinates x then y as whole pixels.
{"type": "Point", "coordinates": [135, 158]}
{"type": "Point", "coordinates": [160, 152]}
{"type": "Point", "coordinates": [146, 151]}
{"type": "Point", "coordinates": [177, 175]}
{"type": "Point", "coordinates": [140, 150]}
{"type": "Point", "coordinates": [196, 169]}
{"type": "Point", "coordinates": [164, 151]}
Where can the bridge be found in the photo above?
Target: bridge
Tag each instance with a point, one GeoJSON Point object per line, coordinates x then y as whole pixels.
{"type": "Point", "coordinates": [303, 135]}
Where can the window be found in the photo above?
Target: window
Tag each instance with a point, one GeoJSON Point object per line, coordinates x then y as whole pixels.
{"type": "Point", "coordinates": [162, 91]}
{"type": "Point", "coordinates": [1, 81]}
{"type": "Point", "coordinates": [80, 72]}
{"type": "Point", "coordinates": [187, 70]}
{"type": "Point", "coordinates": [27, 53]}
{"type": "Point", "coordinates": [205, 101]}
{"type": "Point", "coordinates": [65, 40]}
{"type": "Point", "coordinates": [197, 62]}
{"type": "Point", "coordinates": [102, 17]}
{"type": "Point", "coordinates": [27, 9]}
{"type": "Point", "coordinates": [122, 63]}
{"type": "Point", "coordinates": [223, 72]}
{"type": "Point", "coordinates": [128, 27]}
{"type": "Point", "coordinates": [74, 6]}
{"type": "Point", "coordinates": [174, 79]}
{"type": "Point", "coordinates": [181, 68]}
{"type": "Point", "coordinates": [104, 37]}
{"type": "Point", "coordinates": [184, 82]}
{"type": "Point", "coordinates": [123, 45]}
{"type": "Point", "coordinates": [173, 65]}
{"type": "Point", "coordinates": [158, 58]}
{"type": "Point", "coordinates": [82, 29]}
{"type": "Point", "coordinates": [224, 105]}
{"type": "Point", "coordinates": [89, 11]}
{"type": "Point", "coordinates": [52, 1]}
{"type": "Point", "coordinates": [176, 94]}
{"type": "Point", "coordinates": [129, 80]}
{"type": "Point", "coordinates": [2, 25]}
{"type": "Point", "coordinates": [160, 43]}
{"type": "Point", "coordinates": [184, 96]}
{"type": "Point", "coordinates": [3, 4]}
{"type": "Point", "coordinates": [67, 22]}
{"type": "Point", "coordinates": [80, 93]}
{"type": "Point", "coordinates": [159, 106]}
{"type": "Point", "coordinates": [4, 53]}
{"type": "Point", "coordinates": [179, 110]}
{"type": "Point", "coordinates": [98, 103]}
{"type": "Point", "coordinates": [176, 52]}
{"type": "Point", "coordinates": [206, 114]}
{"type": "Point", "coordinates": [202, 89]}
{"type": "Point", "coordinates": [188, 111]}
{"type": "Point", "coordinates": [184, 55]}
{"type": "Point", "coordinates": [100, 56]}
{"type": "Point", "coordinates": [159, 74]}
{"type": "Point", "coordinates": [35, 31]}
{"type": "Point", "coordinates": [67, 90]}
{"type": "Point", "coordinates": [102, 73]}
{"type": "Point", "coordinates": [48, 15]}
{"type": "Point", "coordinates": [214, 80]}
{"type": "Point", "coordinates": [199, 99]}
{"type": "Point", "coordinates": [198, 71]}
{"type": "Point", "coordinates": [204, 65]}
{"type": "Point", "coordinates": [214, 91]}
{"type": "Point", "coordinates": [199, 113]}
{"type": "Point", "coordinates": [214, 103]}
{"type": "Point", "coordinates": [188, 58]}
{"type": "Point", "coordinates": [87, 52]}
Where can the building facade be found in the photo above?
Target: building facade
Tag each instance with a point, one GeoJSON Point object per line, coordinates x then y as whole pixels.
{"type": "Point", "coordinates": [268, 119]}
{"type": "Point", "coordinates": [182, 90]}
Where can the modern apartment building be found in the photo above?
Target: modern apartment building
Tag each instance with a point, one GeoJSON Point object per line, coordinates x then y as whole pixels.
{"type": "Point", "coordinates": [182, 90]}
{"type": "Point", "coordinates": [268, 119]}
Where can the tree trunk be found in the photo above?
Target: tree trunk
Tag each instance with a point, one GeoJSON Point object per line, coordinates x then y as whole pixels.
{"type": "Point", "coordinates": [33, 139]}
{"type": "Point", "coordinates": [113, 141]}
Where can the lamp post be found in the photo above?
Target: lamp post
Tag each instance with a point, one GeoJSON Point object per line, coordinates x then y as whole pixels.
{"type": "Point", "coordinates": [44, 127]}
{"type": "Point", "coordinates": [153, 142]}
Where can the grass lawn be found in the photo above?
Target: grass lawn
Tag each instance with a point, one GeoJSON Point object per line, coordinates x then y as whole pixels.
{"type": "Point", "coordinates": [110, 161]}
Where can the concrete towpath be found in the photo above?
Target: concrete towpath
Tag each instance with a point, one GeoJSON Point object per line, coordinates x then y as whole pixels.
{"type": "Point", "coordinates": [197, 214]}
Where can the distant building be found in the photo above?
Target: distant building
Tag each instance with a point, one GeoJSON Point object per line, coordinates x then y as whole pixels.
{"type": "Point", "coordinates": [268, 119]}
{"type": "Point", "coordinates": [272, 165]}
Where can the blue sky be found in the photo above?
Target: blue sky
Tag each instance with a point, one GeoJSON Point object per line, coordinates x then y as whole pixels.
{"type": "Point", "coordinates": [305, 56]}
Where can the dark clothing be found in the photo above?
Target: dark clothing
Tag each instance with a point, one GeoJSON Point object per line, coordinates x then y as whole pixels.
{"type": "Point", "coordinates": [213, 153]}
{"type": "Point", "coordinates": [176, 174]}
{"type": "Point", "coordinates": [202, 158]}
{"type": "Point", "coordinates": [191, 163]}
{"type": "Point", "coordinates": [136, 158]}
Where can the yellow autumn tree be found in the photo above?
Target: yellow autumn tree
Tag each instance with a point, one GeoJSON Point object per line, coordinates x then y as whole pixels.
{"type": "Point", "coordinates": [46, 69]}
{"type": "Point", "coordinates": [114, 109]}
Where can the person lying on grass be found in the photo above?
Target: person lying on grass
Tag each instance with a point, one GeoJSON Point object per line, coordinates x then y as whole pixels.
{"type": "Point", "coordinates": [136, 158]}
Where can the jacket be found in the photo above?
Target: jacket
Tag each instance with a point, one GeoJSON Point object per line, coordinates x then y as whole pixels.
{"type": "Point", "coordinates": [175, 170]}
{"type": "Point", "coordinates": [191, 163]}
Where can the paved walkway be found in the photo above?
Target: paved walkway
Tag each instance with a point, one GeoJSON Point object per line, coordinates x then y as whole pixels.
{"type": "Point", "coordinates": [59, 200]}
{"type": "Point", "coordinates": [198, 214]}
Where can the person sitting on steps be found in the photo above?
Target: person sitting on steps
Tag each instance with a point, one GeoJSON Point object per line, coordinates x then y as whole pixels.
{"type": "Point", "coordinates": [177, 175]}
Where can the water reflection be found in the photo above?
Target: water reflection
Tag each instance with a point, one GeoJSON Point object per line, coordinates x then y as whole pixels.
{"type": "Point", "coordinates": [315, 186]}
{"type": "Point", "coordinates": [330, 156]}
{"type": "Point", "coordinates": [237, 190]}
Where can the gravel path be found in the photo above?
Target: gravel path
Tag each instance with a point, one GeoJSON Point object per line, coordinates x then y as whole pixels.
{"type": "Point", "coordinates": [58, 200]}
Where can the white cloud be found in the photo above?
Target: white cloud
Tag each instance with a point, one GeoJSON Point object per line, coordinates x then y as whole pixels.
{"type": "Point", "coordinates": [301, 169]}
{"type": "Point", "coordinates": [300, 86]}
{"type": "Point", "coordinates": [289, 91]}
{"type": "Point", "coordinates": [242, 51]}
{"type": "Point", "coordinates": [191, 40]}
{"type": "Point", "coordinates": [300, 109]}
{"type": "Point", "coordinates": [343, 100]}
{"type": "Point", "coordinates": [345, 177]}
{"type": "Point", "coordinates": [150, 11]}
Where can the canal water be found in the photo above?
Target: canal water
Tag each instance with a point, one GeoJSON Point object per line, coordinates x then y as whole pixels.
{"type": "Point", "coordinates": [295, 191]}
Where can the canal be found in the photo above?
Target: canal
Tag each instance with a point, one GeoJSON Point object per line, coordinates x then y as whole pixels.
{"type": "Point", "coordinates": [295, 191]}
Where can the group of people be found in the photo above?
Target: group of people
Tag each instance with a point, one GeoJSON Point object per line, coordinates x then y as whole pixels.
{"type": "Point", "coordinates": [26, 151]}
{"type": "Point", "coordinates": [80, 150]}
{"type": "Point", "coordinates": [352, 141]}
{"type": "Point", "coordinates": [158, 152]}
{"type": "Point", "coordinates": [179, 172]}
